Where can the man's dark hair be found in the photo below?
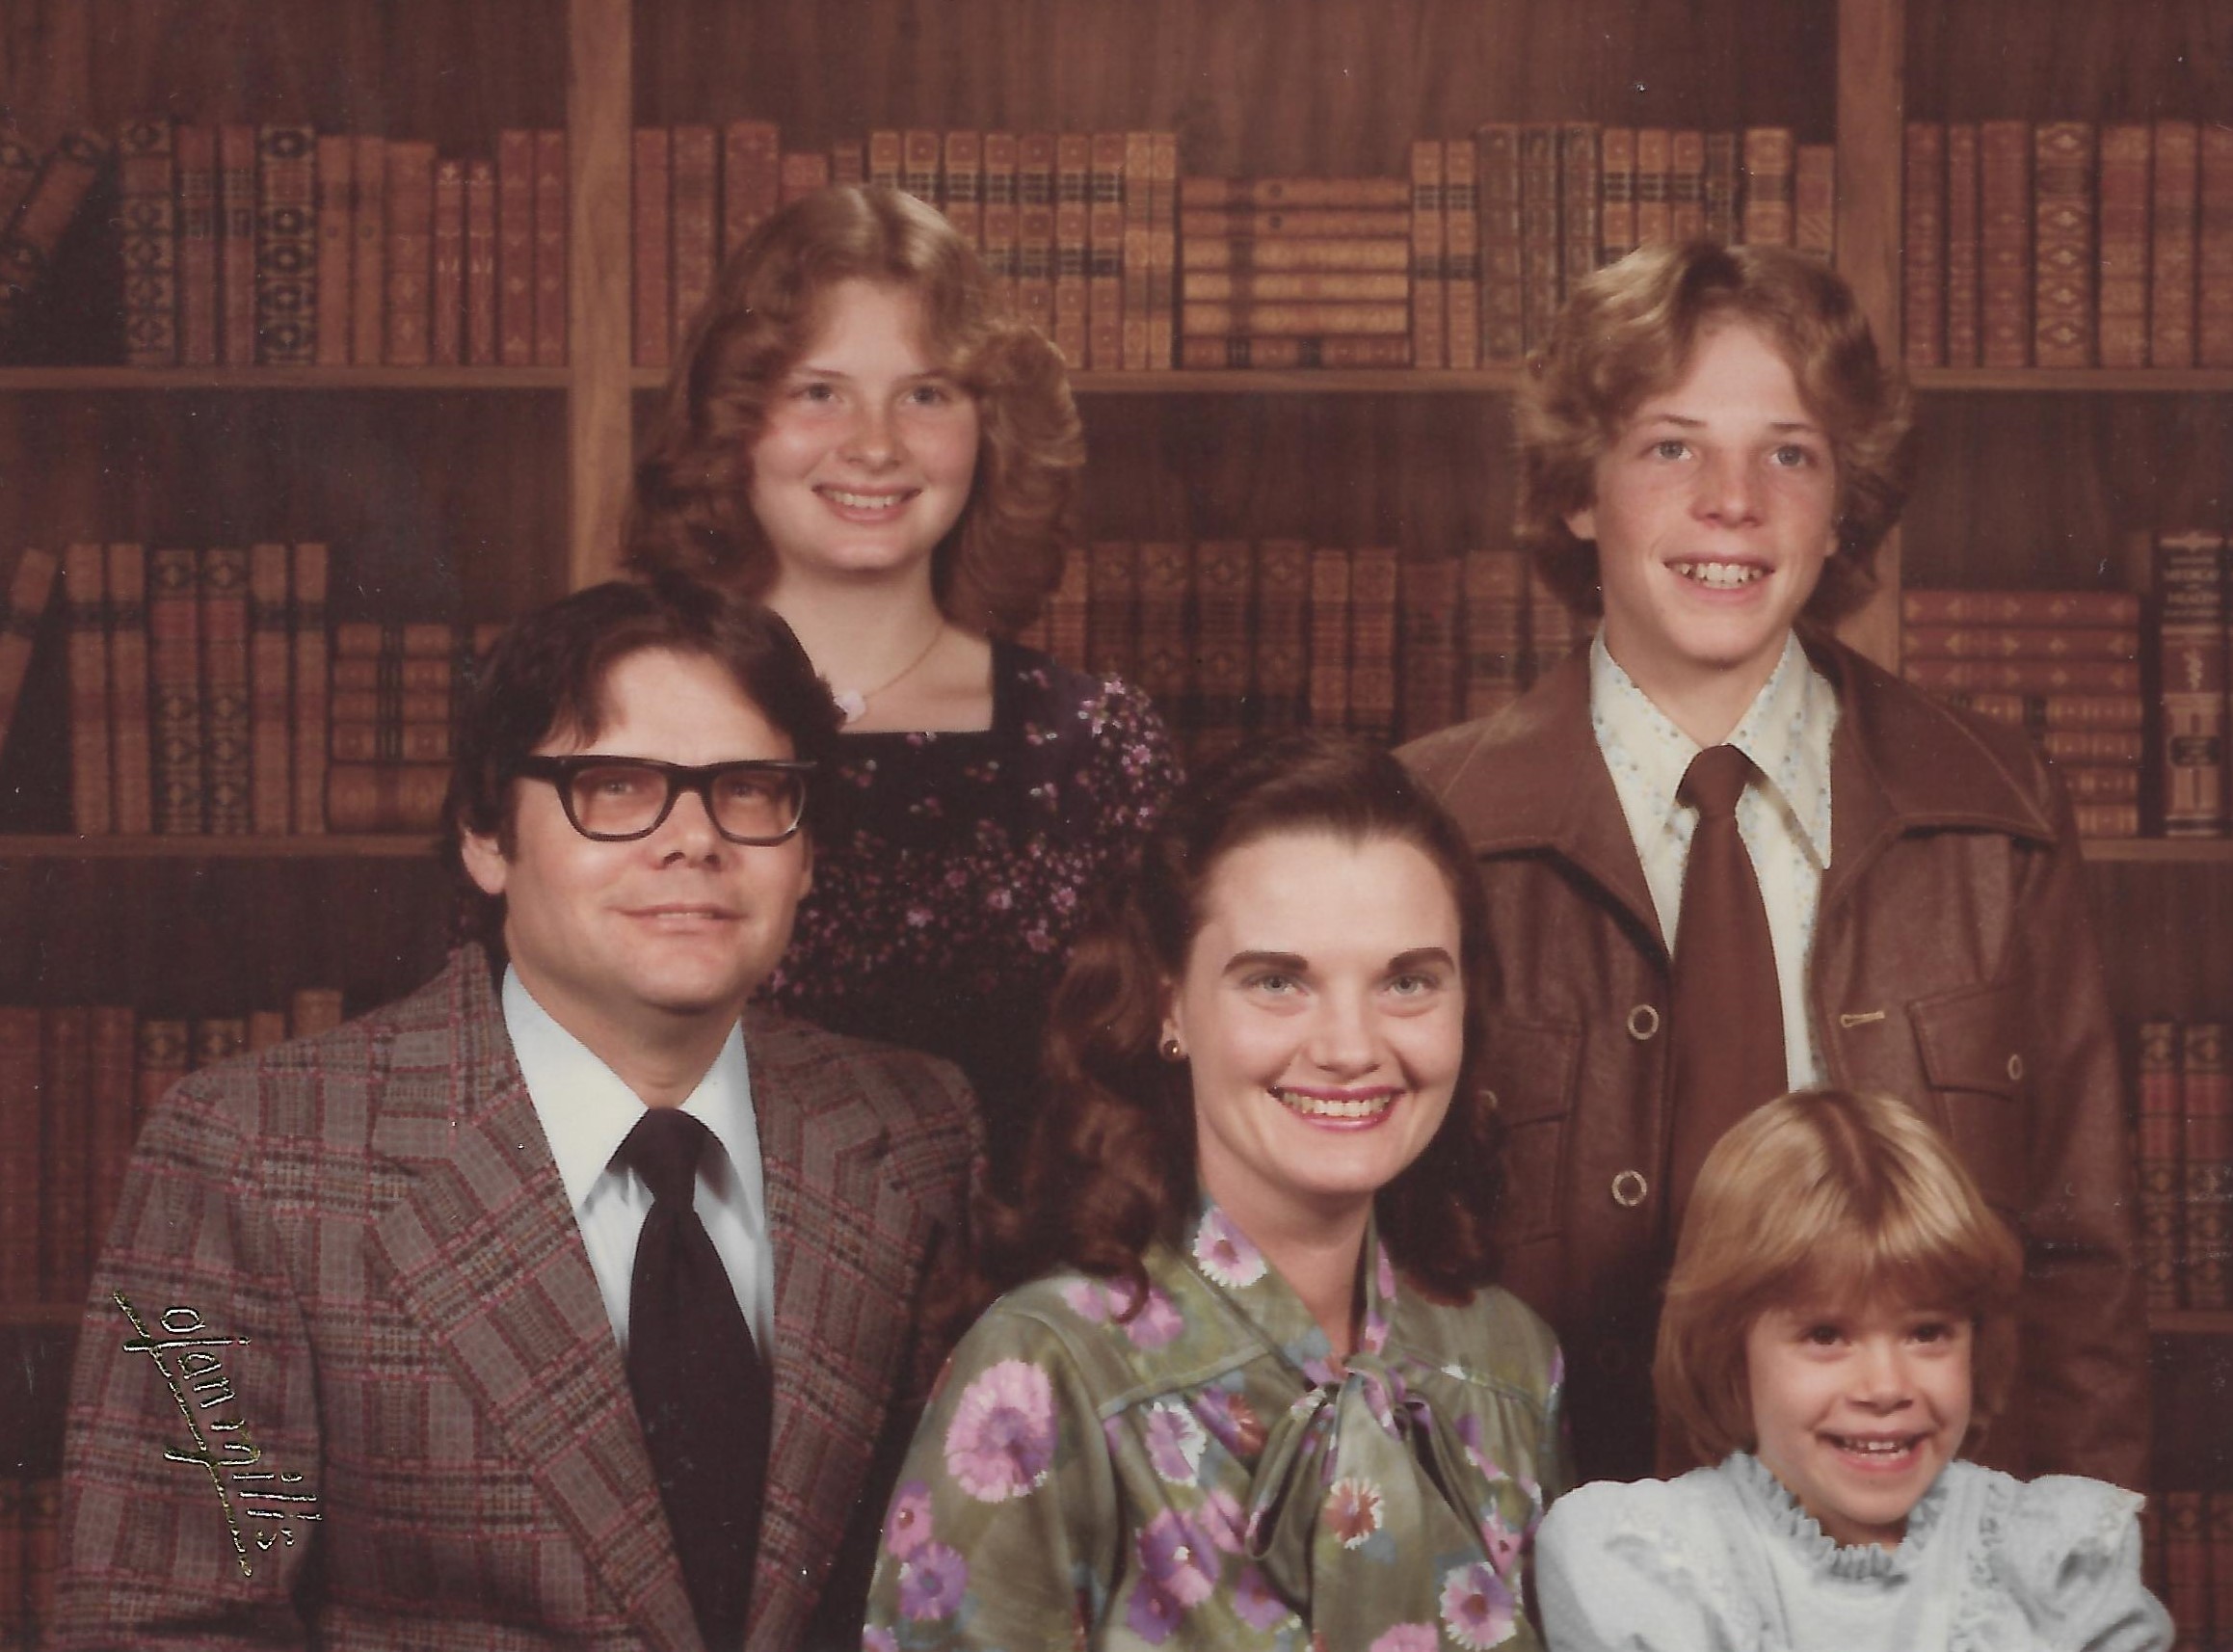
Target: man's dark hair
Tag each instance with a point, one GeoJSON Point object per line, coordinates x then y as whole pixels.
{"type": "Point", "coordinates": [545, 680]}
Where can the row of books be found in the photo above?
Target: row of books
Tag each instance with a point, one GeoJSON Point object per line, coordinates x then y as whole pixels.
{"type": "Point", "coordinates": [1232, 637]}
{"type": "Point", "coordinates": [2185, 1157]}
{"type": "Point", "coordinates": [2064, 665]}
{"type": "Point", "coordinates": [2193, 576]}
{"type": "Point", "coordinates": [1464, 260]}
{"type": "Point", "coordinates": [281, 245]}
{"type": "Point", "coordinates": [75, 1081]}
{"type": "Point", "coordinates": [210, 694]}
{"type": "Point", "coordinates": [30, 1547]}
{"type": "Point", "coordinates": [2187, 1544]}
{"type": "Point", "coordinates": [2068, 243]}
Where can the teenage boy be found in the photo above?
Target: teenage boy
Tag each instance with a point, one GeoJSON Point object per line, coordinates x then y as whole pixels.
{"type": "Point", "coordinates": [1854, 885]}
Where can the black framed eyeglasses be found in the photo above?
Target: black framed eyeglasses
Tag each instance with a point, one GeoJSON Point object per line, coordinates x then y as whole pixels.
{"type": "Point", "coordinates": [758, 801]}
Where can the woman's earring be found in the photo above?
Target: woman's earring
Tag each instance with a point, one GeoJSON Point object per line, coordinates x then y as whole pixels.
{"type": "Point", "coordinates": [1171, 1049]}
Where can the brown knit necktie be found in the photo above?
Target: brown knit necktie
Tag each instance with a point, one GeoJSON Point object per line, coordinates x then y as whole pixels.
{"type": "Point", "coordinates": [1726, 1046]}
{"type": "Point", "coordinates": [702, 1391]}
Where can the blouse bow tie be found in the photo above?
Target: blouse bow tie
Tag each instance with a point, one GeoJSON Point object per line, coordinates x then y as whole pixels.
{"type": "Point", "coordinates": [1356, 1468]}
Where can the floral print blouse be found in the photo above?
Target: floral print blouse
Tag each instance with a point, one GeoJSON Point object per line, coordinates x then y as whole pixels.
{"type": "Point", "coordinates": [953, 871]}
{"type": "Point", "coordinates": [1201, 1473]}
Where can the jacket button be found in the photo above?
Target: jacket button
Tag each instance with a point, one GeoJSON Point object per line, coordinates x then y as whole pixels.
{"type": "Point", "coordinates": [1489, 1099]}
{"type": "Point", "coordinates": [1643, 1021]}
{"type": "Point", "coordinates": [2015, 1069]}
{"type": "Point", "coordinates": [1630, 1189]}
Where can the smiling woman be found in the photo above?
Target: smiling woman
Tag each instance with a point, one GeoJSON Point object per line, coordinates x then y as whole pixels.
{"type": "Point", "coordinates": [861, 435]}
{"type": "Point", "coordinates": [1253, 1388]}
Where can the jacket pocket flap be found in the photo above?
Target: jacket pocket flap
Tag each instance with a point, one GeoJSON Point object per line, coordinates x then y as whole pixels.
{"type": "Point", "coordinates": [1528, 1068]}
{"type": "Point", "coordinates": [1968, 1040]}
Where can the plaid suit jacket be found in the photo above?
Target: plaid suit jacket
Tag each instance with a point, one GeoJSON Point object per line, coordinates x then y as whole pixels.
{"type": "Point", "coordinates": [346, 1379]}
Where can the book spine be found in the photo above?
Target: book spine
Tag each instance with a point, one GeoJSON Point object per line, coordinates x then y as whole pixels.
{"type": "Point", "coordinates": [481, 284]}
{"type": "Point", "coordinates": [162, 1057]}
{"type": "Point", "coordinates": [236, 251]}
{"type": "Point", "coordinates": [1427, 644]}
{"type": "Point", "coordinates": [516, 245]}
{"type": "Point", "coordinates": [1503, 275]}
{"type": "Point", "coordinates": [1579, 205]}
{"type": "Point", "coordinates": [1035, 230]}
{"type": "Point", "coordinates": [1066, 618]}
{"type": "Point", "coordinates": [65, 1106]}
{"type": "Point", "coordinates": [312, 576]}
{"type": "Point", "coordinates": [1348, 194]}
{"type": "Point", "coordinates": [1616, 160]}
{"type": "Point", "coordinates": [385, 797]}
{"type": "Point", "coordinates": [2020, 641]}
{"type": "Point", "coordinates": [411, 237]}
{"type": "Point", "coordinates": [1686, 184]}
{"type": "Point", "coordinates": [1964, 247]}
{"type": "Point", "coordinates": [1813, 197]}
{"type": "Point", "coordinates": [1717, 184]}
{"type": "Point", "coordinates": [1165, 658]}
{"type": "Point", "coordinates": [2005, 275]}
{"type": "Point", "coordinates": [1427, 320]}
{"type": "Point", "coordinates": [887, 159]}
{"type": "Point", "coordinates": [113, 1037]}
{"type": "Point", "coordinates": [1104, 310]}
{"type": "Point", "coordinates": [1072, 231]}
{"type": "Point", "coordinates": [1654, 221]}
{"type": "Point", "coordinates": [1138, 248]}
{"type": "Point", "coordinates": [446, 294]}
{"type": "Point", "coordinates": [849, 163]}
{"type": "Point", "coordinates": [131, 755]}
{"type": "Point", "coordinates": [1461, 255]}
{"type": "Point", "coordinates": [1003, 221]}
{"type": "Point", "coordinates": [225, 690]}
{"type": "Point", "coordinates": [2025, 676]}
{"type": "Point", "coordinates": [1242, 351]}
{"type": "Point", "coordinates": [695, 186]}
{"type": "Point", "coordinates": [1552, 631]}
{"type": "Point", "coordinates": [1922, 246]}
{"type": "Point", "coordinates": [28, 593]}
{"type": "Point", "coordinates": [2122, 332]}
{"type": "Point", "coordinates": [751, 179]}
{"type": "Point", "coordinates": [1769, 157]}
{"type": "Point", "coordinates": [286, 249]}
{"type": "Point", "coordinates": [1921, 605]}
{"type": "Point", "coordinates": [1298, 320]}
{"type": "Point", "coordinates": [2191, 584]}
{"type": "Point", "coordinates": [336, 220]}
{"type": "Point", "coordinates": [2158, 1162]}
{"type": "Point", "coordinates": [368, 253]}
{"type": "Point", "coordinates": [196, 150]}
{"type": "Point", "coordinates": [2213, 248]}
{"type": "Point", "coordinates": [1495, 581]}
{"type": "Point", "coordinates": [653, 289]}
{"type": "Point", "coordinates": [1223, 576]}
{"type": "Point", "coordinates": [1112, 624]}
{"type": "Point", "coordinates": [2173, 199]}
{"type": "Point", "coordinates": [86, 582]}
{"type": "Point", "coordinates": [147, 240]}
{"type": "Point", "coordinates": [1373, 595]}
{"type": "Point", "coordinates": [1164, 253]}
{"type": "Point", "coordinates": [1280, 667]}
{"type": "Point", "coordinates": [2093, 746]}
{"type": "Point", "coordinates": [1329, 644]}
{"type": "Point", "coordinates": [2187, 1566]}
{"type": "Point", "coordinates": [1540, 251]}
{"type": "Point", "coordinates": [19, 1154]}
{"type": "Point", "coordinates": [2206, 1094]}
{"type": "Point", "coordinates": [550, 241]}
{"type": "Point", "coordinates": [270, 665]}
{"type": "Point", "coordinates": [2063, 195]}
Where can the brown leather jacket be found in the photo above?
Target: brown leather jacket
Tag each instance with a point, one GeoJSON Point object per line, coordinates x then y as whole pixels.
{"type": "Point", "coordinates": [1954, 965]}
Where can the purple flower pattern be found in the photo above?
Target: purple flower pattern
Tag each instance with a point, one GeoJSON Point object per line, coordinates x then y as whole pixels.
{"type": "Point", "coordinates": [931, 1581]}
{"type": "Point", "coordinates": [1002, 1436]}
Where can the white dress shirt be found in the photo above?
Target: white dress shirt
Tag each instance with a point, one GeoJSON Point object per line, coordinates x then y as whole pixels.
{"type": "Point", "coordinates": [1784, 815]}
{"type": "Point", "coordinates": [587, 1112]}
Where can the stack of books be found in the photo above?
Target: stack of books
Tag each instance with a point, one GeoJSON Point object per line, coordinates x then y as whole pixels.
{"type": "Point", "coordinates": [1303, 272]}
{"type": "Point", "coordinates": [41, 197]}
{"type": "Point", "coordinates": [2184, 1151]}
{"type": "Point", "coordinates": [75, 1083]}
{"type": "Point", "coordinates": [1076, 228]}
{"type": "Point", "coordinates": [2062, 665]}
{"type": "Point", "coordinates": [1238, 637]}
{"type": "Point", "coordinates": [2187, 1537]}
{"type": "Point", "coordinates": [2068, 243]}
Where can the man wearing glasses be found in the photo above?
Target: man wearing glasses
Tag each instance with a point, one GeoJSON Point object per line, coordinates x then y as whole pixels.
{"type": "Point", "coordinates": [567, 1301]}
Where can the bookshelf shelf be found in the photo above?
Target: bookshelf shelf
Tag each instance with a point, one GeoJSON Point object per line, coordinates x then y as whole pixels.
{"type": "Point", "coordinates": [2087, 381]}
{"type": "Point", "coordinates": [1333, 382]}
{"type": "Point", "coordinates": [62, 846]}
{"type": "Point", "coordinates": [283, 379]}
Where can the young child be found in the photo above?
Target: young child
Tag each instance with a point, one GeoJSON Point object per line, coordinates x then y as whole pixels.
{"type": "Point", "coordinates": [1838, 1325]}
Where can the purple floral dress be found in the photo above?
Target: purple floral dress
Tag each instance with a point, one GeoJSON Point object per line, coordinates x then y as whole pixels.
{"type": "Point", "coordinates": [952, 871]}
{"type": "Point", "coordinates": [1202, 1474]}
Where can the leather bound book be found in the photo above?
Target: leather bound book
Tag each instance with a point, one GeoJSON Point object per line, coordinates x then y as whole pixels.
{"type": "Point", "coordinates": [1066, 610]}
{"type": "Point", "coordinates": [1495, 586]}
{"type": "Point", "coordinates": [411, 250]}
{"type": "Point", "coordinates": [20, 1169]}
{"type": "Point", "coordinates": [1073, 244]}
{"type": "Point", "coordinates": [2206, 1105]}
{"type": "Point", "coordinates": [1924, 605]}
{"type": "Point", "coordinates": [225, 690]}
{"type": "Point", "coordinates": [2063, 195]}
{"type": "Point", "coordinates": [1768, 161]}
{"type": "Point", "coordinates": [2214, 250]}
{"type": "Point", "coordinates": [195, 149]}
{"type": "Point", "coordinates": [1254, 287]}
{"type": "Point", "coordinates": [2019, 642]}
{"type": "Point", "coordinates": [1224, 612]}
{"type": "Point", "coordinates": [1329, 649]}
{"type": "Point", "coordinates": [313, 1010]}
{"type": "Point", "coordinates": [368, 254]}
{"type": "Point", "coordinates": [1244, 317]}
{"type": "Point", "coordinates": [1112, 615]}
{"type": "Point", "coordinates": [1717, 185]}
{"type": "Point", "coordinates": [113, 1037]}
{"type": "Point", "coordinates": [751, 179]}
{"type": "Point", "coordinates": [175, 685]}
{"type": "Point", "coordinates": [65, 1109]}
{"type": "Point", "coordinates": [1373, 595]}
{"type": "Point", "coordinates": [1240, 254]}
{"type": "Point", "coordinates": [694, 159]}
{"type": "Point", "coordinates": [336, 215]}
{"type": "Point", "coordinates": [2191, 581]}
{"type": "Point", "coordinates": [1964, 248]}
{"type": "Point", "coordinates": [962, 183]}
{"type": "Point", "coordinates": [1503, 279]}
{"type": "Point", "coordinates": [312, 576]}
{"type": "Point", "coordinates": [2005, 240]}
{"type": "Point", "coordinates": [1002, 253]}
{"type": "Point", "coordinates": [1139, 255]}
{"type": "Point", "coordinates": [1461, 252]}
{"type": "Point", "coordinates": [1654, 220]}
{"type": "Point", "coordinates": [380, 798]}
{"type": "Point", "coordinates": [550, 241]}
{"type": "Point", "coordinates": [1579, 205]}
{"type": "Point", "coordinates": [803, 171]}
{"type": "Point", "coordinates": [147, 241]}
{"type": "Point", "coordinates": [164, 1052]}
{"type": "Point", "coordinates": [1616, 159]}
{"type": "Point", "coordinates": [1104, 313]}
{"type": "Point", "coordinates": [1430, 295]}
{"type": "Point", "coordinates": [1164, 253]}
{"type": "Point", "coordinates": [445, 340]}
{"type": "Point", "coordinates": [20, 165]}
{"type": "Point", "coordinates": [28, 245]}
{"type": "Point", "coordinates": [2173, 206]}
{"type": "Point", "coordinates": [1202, 194]}
{"type": "Point", "coordinates": [1553, 629]}
{"type": "Point", "coordinates": [2157, 1159]}
{"type": "Point", "coordinates": [918, 164]}
{"type": "Point", "coordinates": [1166, 654]}
{"type": "Point", "coordinates": [1428, 645]}
{"type": "Point", "coordinates": [1814, 200]}
{"type": "Point", "coordinates": [1540, 247]}
{"type": "Point", "coordinates": [516, 242]}
{"type": "Point", "coordinates": [1280, 667]}
{"type": "Point", "coordinates": [1035, 230]}
{"type": "Point", "coordinates": [1686, 184]}
{"type": "Point", "coordinates": [886, 155]}
{"type": "Point", "coordinates": [2025, 676]}
{"type": "Point", "coordinates": [481, 291]}
{"type": "Point", "coordinates": [1922, 246]}
{"type": "Point", "coordinates": [286, 251]}
{"type": "Point", "coordinates": [270, 695]}
{"type": "Point", "coordinates": [849, 161]}
{"type": "Point", "coordinates": [29, 590]}
{"type": "Point", "coordinates": [2122, 333]}
{"type": "Point", "coordinates": [86, 585]}
{"type": "Point", "coordinates": [1242, 351]}
{"type": "Point", "coordinates": [236, 167]}
{"type": "Point", "coordinates": [131, 763]}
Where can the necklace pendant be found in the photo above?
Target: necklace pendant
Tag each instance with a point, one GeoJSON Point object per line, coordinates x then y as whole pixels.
{"type": "Point", "coordinates": [851, 704]}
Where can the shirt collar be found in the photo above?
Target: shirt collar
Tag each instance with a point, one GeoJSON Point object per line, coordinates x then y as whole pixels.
{"type": "Point", "coordinates": [586, 1110]}
{"type": "Point", "coordinates": [1786, 732]}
